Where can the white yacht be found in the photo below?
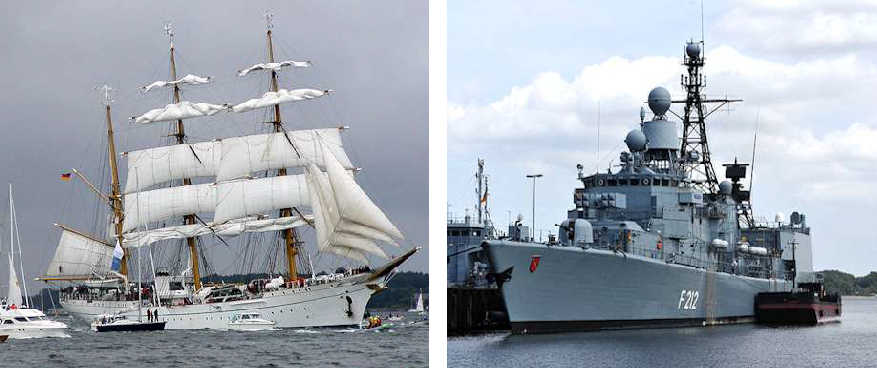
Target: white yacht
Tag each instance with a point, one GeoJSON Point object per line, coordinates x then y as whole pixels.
{"type": "Point", "coordinates": [25, 323]}
{"type": "Point", "coordinates": [250, 321]}
{"type": "Point", "coordinates": [16, 320]}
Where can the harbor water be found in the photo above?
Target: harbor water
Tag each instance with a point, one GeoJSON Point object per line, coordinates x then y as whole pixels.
{"type": "Point", "coordinates": [849, 343]}
{"type": "Point", "coordinates": [406, 345]}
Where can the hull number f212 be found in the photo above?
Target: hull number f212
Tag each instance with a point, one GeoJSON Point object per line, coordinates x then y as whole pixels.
{"type": "Point", "coordinates": [688, 299]}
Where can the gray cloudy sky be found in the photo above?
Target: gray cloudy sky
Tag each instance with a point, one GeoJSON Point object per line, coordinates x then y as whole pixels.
{"type": "Point", "coordinates": [374, 54]}
{"type": "Point", "coordinates": [525, 84]}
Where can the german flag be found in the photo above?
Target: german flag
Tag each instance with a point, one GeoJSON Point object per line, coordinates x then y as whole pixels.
{"type": "Point", "coordinates": [66, 176]}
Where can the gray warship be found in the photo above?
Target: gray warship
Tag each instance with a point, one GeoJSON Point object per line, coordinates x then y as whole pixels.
{"type": "Point", "coordinates": [658, 243]}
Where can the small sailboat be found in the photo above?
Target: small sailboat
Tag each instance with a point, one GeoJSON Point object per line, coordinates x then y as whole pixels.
{"type": "Point", "coordinates": [418, 307]}
{"type": "Point", "coordinates": [119, 322]}
{"type": "Point", "coordinates": [107, 323]}
{"type": "Point", "coordinates": [17, 321]}
{"type": "Point", "coordinates": [250, 321]}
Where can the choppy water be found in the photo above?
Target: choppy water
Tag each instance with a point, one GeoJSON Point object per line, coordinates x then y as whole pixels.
{"type": "Point", "coordinates": [403, 346]}
{"type": "Point", "coordinates": [850, 343]}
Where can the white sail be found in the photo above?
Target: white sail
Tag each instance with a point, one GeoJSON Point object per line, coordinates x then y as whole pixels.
{"type": "Point", "coordinates": [232, 228]}
{"type": "Point", "coordinates": [257, 197]}
{"type": "Point", "coordinates": [354, 205]}
{"type": "Point", "coordinates": [79, 255]}
{"type": "Point", "coordinates": [177, 111]}
{"type": "Point", "coordinates": [14, 295]}
{"type": "Point", "coordinates": [151, 206]}
{"type": "Point", "coordinates": [188, 79]}
{"type": "Point", "coordinates": [153, 166]}
{"type": "Point", "coordinates": [242, 156]}
{"type": "Point", "coordinates": [329, 223]}
{"type": "Point", "coordinates": [347, 222]}
{"type": "Point", "coordinates": [279, 97]}
{"type": "Point", "coordinates": [275, 66]}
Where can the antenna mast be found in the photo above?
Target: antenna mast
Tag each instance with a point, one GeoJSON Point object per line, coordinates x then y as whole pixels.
{"type": "Point", "coordinates": [181, 139]}
{"type": "Point", "coordinates": [116, 195]}
{"type": "Point", "coordinates": [696, 162]}
{"type": "Point", "coordinates": [289, 235]}
{"type": "Point", "coordinates": [479, 190]}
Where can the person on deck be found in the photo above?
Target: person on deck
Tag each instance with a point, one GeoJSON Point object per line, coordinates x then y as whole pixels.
{"type": "Point", "coordinates": [149, 314]}
{"type": "Point", "coordinates": [155, 315]}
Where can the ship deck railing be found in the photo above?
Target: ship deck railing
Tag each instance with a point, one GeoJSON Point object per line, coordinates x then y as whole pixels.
{"type": "Point", "coordinates": [690, 261]}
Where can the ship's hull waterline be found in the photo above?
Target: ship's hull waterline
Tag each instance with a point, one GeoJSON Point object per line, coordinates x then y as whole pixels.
{"type": "Point", "coordinates": [575, 289]}
{"type": "Point", "coordinates": [320, 306]}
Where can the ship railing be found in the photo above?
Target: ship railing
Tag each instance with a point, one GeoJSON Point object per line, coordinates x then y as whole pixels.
{"type": "Point", "coordinates": [688, 260]}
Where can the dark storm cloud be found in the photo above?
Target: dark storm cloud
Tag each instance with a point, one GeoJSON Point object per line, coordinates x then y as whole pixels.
{"type": "Point", "coordinates": [374, 54]}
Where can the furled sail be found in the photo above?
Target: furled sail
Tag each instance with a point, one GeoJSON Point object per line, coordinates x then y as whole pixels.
{"type": "Point", "coordinates": [242, 156]}
{"type": "Point", "coordinates": [153, 166]}
{"type": "Point", "coordinates": [256, 197]}
{"type": "Point", "coordinates": [146, 207]}
{"type": "Point", "coordinates": [231, 228]}
{"type": "Point", "coordinates": [347, 222]}
{"type": "Point", "coordinates": [79, 256]}
{"type": "Point", "coordinates": [177, 111]}
{"type": "Point", "coordinates": [14, 295]}
{"type": "Point", "coordinates": [275, 66]}
{"type": "Point", "coordinates": [279, 97]}
{"type": "Point", "coordinates": [188, 79]}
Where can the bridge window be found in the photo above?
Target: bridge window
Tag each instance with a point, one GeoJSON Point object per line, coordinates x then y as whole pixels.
{"type": "Point", "coordinates": [634, 182]}
{"type": "Point", "coordinates": [665, 182]}
{"type": "Point", "coordinates": [622, 182]}
{"type": "Point", "coordinates": [612, 182]}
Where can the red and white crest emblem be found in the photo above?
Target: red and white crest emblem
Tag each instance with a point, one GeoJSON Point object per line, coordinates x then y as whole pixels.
{"type": "Point", "coordinates": [534, 263]}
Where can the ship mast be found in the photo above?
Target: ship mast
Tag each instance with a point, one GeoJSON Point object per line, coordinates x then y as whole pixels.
{"type": "Point", "coordinates": [116, 195]}
{"type": "Point", "coordinates": [695, 149]}
{"type": "Point", "coordinates": [289, 236]}
{"type": "Point", "coordinates": [181, 138]}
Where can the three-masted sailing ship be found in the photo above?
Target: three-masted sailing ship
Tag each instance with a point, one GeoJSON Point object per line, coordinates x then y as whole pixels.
{"type": "Point", "coordinates": [159, 202]}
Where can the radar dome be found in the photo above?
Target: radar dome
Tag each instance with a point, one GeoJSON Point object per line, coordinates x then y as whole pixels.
{"type": "Point", "coordinates": [636, 141]}
{"type": "Point", "coordinates": [659, 101]}
{"type": "Point", "coordinates": [693, 50]}
{"type": "Point", "coordinates": [725, 187]}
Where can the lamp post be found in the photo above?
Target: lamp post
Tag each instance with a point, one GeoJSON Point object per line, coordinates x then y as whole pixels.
{"type": "Point", "coordinates": [533, 217]}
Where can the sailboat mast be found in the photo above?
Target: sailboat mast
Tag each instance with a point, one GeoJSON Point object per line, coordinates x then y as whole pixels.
{"type": "Point", "coordinates": [181, 138]}
{"type": "Point", "coordinates": [289, 236]}
{"type": "Point", "coordinates": [116, 197]}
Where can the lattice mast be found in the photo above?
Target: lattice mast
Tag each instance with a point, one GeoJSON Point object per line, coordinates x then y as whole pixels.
{"type": "Point", "coordinates": [696, 160]}
{"type": "Point", "coordinates": [480, 200]}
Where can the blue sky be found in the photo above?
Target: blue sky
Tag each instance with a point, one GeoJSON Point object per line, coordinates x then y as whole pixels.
{"type": "Point", "coordinates": [525, 81]}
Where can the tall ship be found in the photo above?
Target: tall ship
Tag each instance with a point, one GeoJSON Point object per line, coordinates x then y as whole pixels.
{"type": "Point", "coordinates": [194, 195]}
{"type": "Point", "coordinates": [659, 242]}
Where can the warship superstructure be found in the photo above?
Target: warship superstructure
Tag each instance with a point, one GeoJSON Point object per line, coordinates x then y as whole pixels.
{"type": "Point", "coordinates": [188, 192]}
{"type": "Point", "coordinates": [659, 242]}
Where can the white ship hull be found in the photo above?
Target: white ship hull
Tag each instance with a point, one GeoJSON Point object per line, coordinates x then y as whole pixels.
{"type": "Point", "coordinates": [33, 332]}
{"type": "Point", "coordinates": [317, 306]}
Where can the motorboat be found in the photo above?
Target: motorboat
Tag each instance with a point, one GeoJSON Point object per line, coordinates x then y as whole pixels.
{"type": "Point", "coordinates": [107, 323]}
{"type": "Point", "coordinates": [26, 323]}
{"type": "Point", "coordinates": [250, 321]}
